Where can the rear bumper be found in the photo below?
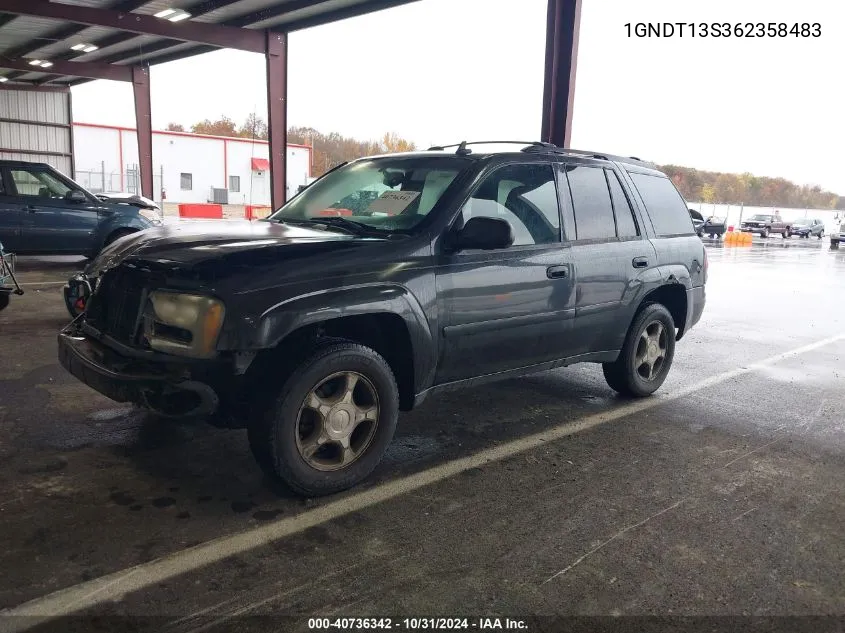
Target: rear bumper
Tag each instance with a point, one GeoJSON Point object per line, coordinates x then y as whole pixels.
{"type": "Point", "coordinates": [125, 379]}
{"type": "Point", "coordinates": [696, 298]}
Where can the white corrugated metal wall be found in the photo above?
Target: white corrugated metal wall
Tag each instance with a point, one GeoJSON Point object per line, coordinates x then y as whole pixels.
{"type": "Point", "coordinates": [35, 126]}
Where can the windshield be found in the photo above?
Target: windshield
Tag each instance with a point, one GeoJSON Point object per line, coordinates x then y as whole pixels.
{"type": "Point", "coordinates": [761, 218]}
{"type": "Point", "coordinates": [392, 194]}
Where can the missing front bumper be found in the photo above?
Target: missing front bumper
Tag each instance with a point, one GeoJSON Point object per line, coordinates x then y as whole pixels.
{"type": "Point", "coordinates": [128, 380]}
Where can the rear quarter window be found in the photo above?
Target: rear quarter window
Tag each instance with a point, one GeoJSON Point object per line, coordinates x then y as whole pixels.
{"type": "Point", "coordinates": [665, 206]}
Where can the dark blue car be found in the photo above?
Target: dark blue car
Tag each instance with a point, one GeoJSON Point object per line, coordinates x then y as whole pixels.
{"type": "Point", "coordinates": [44, 213]}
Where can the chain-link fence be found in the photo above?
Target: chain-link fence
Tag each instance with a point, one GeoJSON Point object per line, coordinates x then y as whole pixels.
{"type": "Point", "coordinates": [129, 181]}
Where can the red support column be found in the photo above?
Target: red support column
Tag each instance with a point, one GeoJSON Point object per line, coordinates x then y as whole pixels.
{"type": "Point", "coordinates": [277, 113]}
{"type": "Point", "coordinates": [143, 123]}
{"type": "Point", "coordinates": [562, 26]}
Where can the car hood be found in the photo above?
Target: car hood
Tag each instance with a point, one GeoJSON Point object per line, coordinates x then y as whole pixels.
{"type": "Point", "coordinates": [193, 243]}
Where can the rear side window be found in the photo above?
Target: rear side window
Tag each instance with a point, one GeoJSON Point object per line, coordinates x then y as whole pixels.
{"type": "Point", "coordinates": [626, 225]}
{"type": "Point", "coordinates": [665, 206]}
{"type": "Point", "coordinates": [591, 203]}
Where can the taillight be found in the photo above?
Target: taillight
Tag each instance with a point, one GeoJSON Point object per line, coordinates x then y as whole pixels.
{"type": "Point", "coordinates": [706, 265]}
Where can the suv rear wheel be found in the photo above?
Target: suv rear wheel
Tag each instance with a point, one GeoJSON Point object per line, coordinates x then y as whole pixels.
{"type": "Point", "coordinates": [765, 232]}
{"type": "Point", "coordinates": [647, 355]}
{"type": "Point", "coordinates": [332, 421]}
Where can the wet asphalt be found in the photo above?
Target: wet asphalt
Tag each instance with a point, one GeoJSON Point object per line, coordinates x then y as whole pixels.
{"type": "Point", "coordinates": [725, 501]}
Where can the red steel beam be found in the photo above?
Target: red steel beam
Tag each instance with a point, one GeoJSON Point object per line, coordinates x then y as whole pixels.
{"type": "Point", "coordinates": [91, 70]}
{"type": "Point", "coordinates": [187, 31]}
{"type": "Point", "coordinates": [562, 26]}
{"type": "Point", "coordinates": [277, 114]}
{"type": "Point", "coordinates": [143, 123]}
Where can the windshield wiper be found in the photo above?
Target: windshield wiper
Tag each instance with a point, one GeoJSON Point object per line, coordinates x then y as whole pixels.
{"type": "Point", "coordinates": [351, 226]}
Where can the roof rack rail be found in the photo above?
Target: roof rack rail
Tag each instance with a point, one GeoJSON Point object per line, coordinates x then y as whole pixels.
{"type": "Point", "coordinates": [463, 150]}
{"type": "Point", "coordinates": [587, 154]}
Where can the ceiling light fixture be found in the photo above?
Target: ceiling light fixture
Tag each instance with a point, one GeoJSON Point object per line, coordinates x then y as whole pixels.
{"type": "Point", "coordinates": [3, 80]}
{"type": "Point", "coordinates": [77, 47]}
{"type": "Point", "coordinates": [165, 13]}
{"type": "Point", "coordinates": [46, 64]}
{"type": "Point", "coordinates": [35, 62]}
{"type": "Point", "coordinates": [90, 48]}
{"type": "Point", "coordinates": [184, 15]}
{"type": "Point", "coordinates": [85, 48]}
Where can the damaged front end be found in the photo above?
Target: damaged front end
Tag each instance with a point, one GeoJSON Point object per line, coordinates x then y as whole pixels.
{"type": "Point", "coordinates": [135, 341]}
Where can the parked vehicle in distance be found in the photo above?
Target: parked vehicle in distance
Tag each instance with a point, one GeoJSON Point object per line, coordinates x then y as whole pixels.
{"type": "Point", "coordinates": [697, 221]}
{"type": "Point", "coordinates": [838, 236]}
{"type": "Point", "coordinates": [765, 224]}
{"type": "Point", "coordinates": [313, 331]}
{"type": "Point", "coordinates": [713, 227]}
{"type": "Point", "coordinates": [43, 212]}
{"type": "Point", "coordinates": [808, 227]}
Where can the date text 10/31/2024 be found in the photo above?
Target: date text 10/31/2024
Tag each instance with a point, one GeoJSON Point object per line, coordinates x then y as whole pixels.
{"type": "Point", "coordinates": [417, 624]}
{"type": "Point", "coordinates": [723, 29]}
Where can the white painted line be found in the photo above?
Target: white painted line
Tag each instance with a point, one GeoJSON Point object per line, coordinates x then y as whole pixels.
{"type": "Point", "coordinates": [114, 586]}
{"type": "Point", "coordinates": [44, 283]}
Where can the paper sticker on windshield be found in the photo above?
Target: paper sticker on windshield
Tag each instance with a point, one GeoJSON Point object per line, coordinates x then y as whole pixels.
{"type": "Point", "coordinates": [392, 202]}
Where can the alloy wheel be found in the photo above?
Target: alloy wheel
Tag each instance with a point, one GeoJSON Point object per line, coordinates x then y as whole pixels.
{"type": "Point", "coordinates": [337, 421]}
{"type": "Point", "coordinates": [651, 351]}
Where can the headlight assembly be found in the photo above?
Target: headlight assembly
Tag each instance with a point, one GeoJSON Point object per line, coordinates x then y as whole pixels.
{"type": "Point", "coordinates": [183, 324]}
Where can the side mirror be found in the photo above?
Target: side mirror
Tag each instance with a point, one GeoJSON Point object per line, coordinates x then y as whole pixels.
{"type": "Point", "coordinates": [485, 233]}
{"type": "Point", "coordinates": [76, 196]}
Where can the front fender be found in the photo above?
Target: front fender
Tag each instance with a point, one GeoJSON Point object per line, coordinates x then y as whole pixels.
{"type": "Point", "coordinates": [120, 221]}
{"type": "Point", "coordinates": [285, 317]}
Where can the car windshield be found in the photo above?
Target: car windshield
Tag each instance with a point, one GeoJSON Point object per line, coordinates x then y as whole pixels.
{"type": "Point", "coordinates": [390, 194]}
{"type": "Point", "coordinates": [760, 218]}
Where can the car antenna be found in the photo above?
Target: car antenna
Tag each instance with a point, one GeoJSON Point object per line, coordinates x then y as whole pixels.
{"type": "Point", "coordinates": [463, 150]}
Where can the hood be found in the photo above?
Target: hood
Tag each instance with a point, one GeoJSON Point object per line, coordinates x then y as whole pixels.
{"type": "Point", "coordinates": [128, 199]}
{"type": "Point", "coordinates": [193, 243]}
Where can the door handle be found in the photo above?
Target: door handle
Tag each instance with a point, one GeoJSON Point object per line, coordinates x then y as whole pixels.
{"type": "Point", "coordinates": [640, 262]}
{"type": "Point", "coordinates": [557, 272]}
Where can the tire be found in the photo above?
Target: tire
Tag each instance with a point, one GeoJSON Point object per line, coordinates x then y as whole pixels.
{"type": "Point", "coordinates": [4, 300]}
{"type": "Point", "coordinates": [821, 235]}
{"type": "Point", "coordinates": [275, 437]}
{"type": "Point", "coordinates": [764, 233]}
{"type": "Point", "coordinates": [787, 233]}
{"type": "Point", "coordinates": [623, 375]}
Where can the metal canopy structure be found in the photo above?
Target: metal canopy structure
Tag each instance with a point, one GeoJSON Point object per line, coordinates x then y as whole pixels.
{"type": "Point", "coordinates": [62, 44]}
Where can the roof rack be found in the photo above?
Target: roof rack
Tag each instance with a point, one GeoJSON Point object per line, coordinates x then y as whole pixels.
{"type": "Point", "coordinates": [587, 154]}
{"type": "Point", "coordinates": [463, 150]}
{"type": "Point", "coordinates": [539, 146]}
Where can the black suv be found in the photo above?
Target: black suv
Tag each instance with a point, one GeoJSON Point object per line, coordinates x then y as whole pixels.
{"type": "Point", "coordinates": [313, 329]}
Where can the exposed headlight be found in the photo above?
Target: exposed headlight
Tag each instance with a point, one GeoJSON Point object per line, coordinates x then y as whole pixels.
{"type": "Point", "coordinates": [150, 214]}
{"type": "Point", "coordinates": [183, 324]}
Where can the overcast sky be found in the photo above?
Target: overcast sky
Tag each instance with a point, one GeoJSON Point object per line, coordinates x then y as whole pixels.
{"type": "Point", "coordinates": [439, 71]}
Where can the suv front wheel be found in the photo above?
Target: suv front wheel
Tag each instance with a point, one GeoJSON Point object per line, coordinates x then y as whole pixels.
{"type": "Point", "coordinates": [332, 421]}
{"type": "Point", "coordinates": [646, 357]}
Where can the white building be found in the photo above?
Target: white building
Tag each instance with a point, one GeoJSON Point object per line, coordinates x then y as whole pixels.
{"type": "Point", "coordinates": [187, 167]}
